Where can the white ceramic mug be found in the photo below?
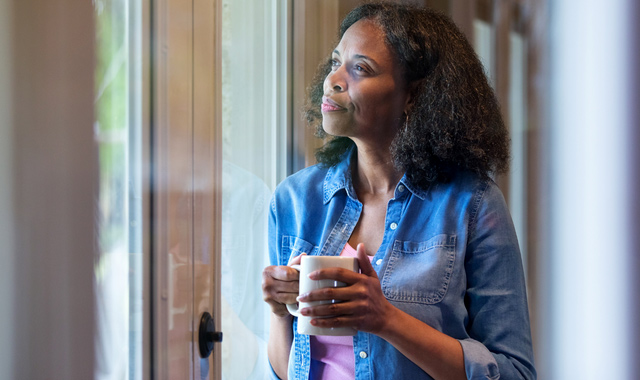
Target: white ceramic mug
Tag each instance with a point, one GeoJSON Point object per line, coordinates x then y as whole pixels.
{"type": "Point", "coordinates": [307, 265]}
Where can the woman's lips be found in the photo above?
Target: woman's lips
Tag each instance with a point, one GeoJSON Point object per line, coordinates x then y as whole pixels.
{"type": "Point", "coordinates": [329, 105]}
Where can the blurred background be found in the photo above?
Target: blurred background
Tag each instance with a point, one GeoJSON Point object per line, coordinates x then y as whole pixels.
{"type": "Point", "coordinates": [140, 141]}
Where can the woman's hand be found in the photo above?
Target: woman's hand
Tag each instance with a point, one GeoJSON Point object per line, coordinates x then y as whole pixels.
{"type": "Point", "coordinates": [280, 286]}
{"type": "Point", "coordinates": [364, 307]}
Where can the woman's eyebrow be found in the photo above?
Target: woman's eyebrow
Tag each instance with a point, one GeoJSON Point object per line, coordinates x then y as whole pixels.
{"type": "Point", "coordinates": [358, 56]}
{"type": "Point", "coordinates": [365, 57]}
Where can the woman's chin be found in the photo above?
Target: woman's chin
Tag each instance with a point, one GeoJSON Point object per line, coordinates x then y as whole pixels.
{"type": "Point", "coordinates": [333, 130]}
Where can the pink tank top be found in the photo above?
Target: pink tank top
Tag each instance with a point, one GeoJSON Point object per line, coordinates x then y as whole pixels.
{"type": "Point", "coordinates": [332, 356]}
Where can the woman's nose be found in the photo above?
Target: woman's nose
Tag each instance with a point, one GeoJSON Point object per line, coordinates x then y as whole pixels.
{"type": "Point", "coordinates": [334, 82]}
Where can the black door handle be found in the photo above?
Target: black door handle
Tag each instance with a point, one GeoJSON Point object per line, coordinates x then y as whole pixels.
{"type": "Point", "coordinates": [207, 335]}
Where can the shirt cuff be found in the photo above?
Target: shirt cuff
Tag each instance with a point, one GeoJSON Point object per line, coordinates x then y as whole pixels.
{"type": "Point", "coordinates": [479, 363]}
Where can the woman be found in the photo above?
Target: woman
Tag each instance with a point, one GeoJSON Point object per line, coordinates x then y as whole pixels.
{"type": "Point", "coordinates": [413, 132]}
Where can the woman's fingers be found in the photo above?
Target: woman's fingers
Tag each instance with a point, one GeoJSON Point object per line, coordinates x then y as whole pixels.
{"type": "Point", "coordinates": [338, 321]}
{"type": "Point", "coordinates": [368, 315]}
{"type": "Point", "coordinates": [361, 304]}
{"type": "Point", "coordinates": [346, 314]}
{"type": "Point", "coordinates": [330, 309]}
{"type": "Point", "coordinates": [296, 260]}
{"type": "Point", "coordinates": [324, 294]}
{"type": "Point", "coordinates": [279, 287]}
{"type": "Point", "coordinates": [345, 275]}
{"type": "Point", "coordinates": [339, 274]}
{"type": "Point", "coordinates": [282, 273]}
{"type": "Point", "coordinates": [363, 261]}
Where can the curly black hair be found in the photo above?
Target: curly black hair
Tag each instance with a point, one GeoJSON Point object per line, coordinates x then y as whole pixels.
{"type": "Point", "coordinates": [454, 122]}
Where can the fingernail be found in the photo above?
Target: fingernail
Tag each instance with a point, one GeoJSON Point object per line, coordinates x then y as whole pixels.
{"type": "Point", "coordinates": [302, 297]}
{"type": "Point", "coordinates": [304, 311]}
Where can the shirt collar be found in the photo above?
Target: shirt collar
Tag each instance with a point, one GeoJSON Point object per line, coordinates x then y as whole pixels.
{"type": "Point", "coordinates": [415, 190]}
{"type": "Point", "coordinates": [339, 178]}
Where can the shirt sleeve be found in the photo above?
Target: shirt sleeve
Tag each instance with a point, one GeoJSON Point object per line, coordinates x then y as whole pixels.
{"type": "Point", "coordinates": [500, 338]}
{"type": "Point", "coordinates": [272, 234]}
{"type": "Point", "coordinates": [272, 374]}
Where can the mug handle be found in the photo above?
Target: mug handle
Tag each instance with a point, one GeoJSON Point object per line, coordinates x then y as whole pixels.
{"type": "Point", "coordinates": [293, 307]}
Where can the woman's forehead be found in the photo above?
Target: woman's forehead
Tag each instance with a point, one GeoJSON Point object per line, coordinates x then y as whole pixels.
{"type": "Point", "coordinates": [364, 37]}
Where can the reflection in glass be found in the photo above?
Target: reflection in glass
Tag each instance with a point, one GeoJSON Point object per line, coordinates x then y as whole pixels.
{"type": "Point", "coordinates": [117, 131]}
{"type": "Point", "coordinates": [252, 104]}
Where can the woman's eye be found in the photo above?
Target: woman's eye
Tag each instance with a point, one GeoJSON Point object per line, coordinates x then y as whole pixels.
{"type": "Point", "coordinates": [334, 63]}
{"type": "Point", "coordinates": [360, 69]}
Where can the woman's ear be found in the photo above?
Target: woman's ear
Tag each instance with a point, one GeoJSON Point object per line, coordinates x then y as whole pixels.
{"type": "Point", "coordinates": [411, 95]}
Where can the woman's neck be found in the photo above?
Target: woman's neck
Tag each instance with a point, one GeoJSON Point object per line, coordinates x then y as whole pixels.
{"type": "Point", "coordinates": [374, 172]}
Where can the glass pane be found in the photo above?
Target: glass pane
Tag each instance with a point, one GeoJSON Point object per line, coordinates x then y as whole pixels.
{"type": "Point", "coordinates": [253, 96]}
{"type": "Point", "coordinates": [117, 129]}
{"type": "Point", "coordinates": [518, 131]}
{"type": "Point", "coordinates": [484, 45]}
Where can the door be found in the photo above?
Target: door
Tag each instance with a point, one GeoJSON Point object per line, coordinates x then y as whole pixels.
{"type": "Point", "coordinates": [194, 95]}
{"type": "Point", "coordinates": [220, 141]}
{"type": "Point", "coordinates": [186, 172]}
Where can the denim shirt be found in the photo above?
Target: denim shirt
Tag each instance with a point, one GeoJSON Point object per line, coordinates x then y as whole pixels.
{"type": "Point", "coordinates": [449, 257]}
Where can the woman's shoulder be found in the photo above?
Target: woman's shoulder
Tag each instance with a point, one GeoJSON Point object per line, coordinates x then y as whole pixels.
{"type": "Point", "coordinates": [466, 182]}
{"type": "Point", "coordinates": [468, 189]}
{"type": "Point", "coordinates": [481, 193]}
{"type": "Point", "coordinates": [303, 182]}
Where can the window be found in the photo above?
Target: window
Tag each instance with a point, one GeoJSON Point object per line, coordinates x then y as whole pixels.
{"type": "Point", "coordinates": [254, 129]}
{"type": "Point", "coordinates": [117, 128]}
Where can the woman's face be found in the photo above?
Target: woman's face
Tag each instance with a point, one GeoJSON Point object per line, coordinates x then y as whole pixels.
{"type": "Point", "coordinates": [364, 94]}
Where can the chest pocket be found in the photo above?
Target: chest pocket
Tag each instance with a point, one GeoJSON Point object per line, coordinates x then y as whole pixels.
{"type": "Point", "coordinates": [420, 272]}
{"type": "Point", "coordinates": [293, 246]}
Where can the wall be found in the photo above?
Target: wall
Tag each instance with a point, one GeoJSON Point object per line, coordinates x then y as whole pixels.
{"type": "Point", "coordinates": [6, 228]}
{"type": "Point", "coordinates": [48, 174]}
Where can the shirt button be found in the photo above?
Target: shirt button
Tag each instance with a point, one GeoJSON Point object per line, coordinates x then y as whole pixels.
{"type": "Point", "coordinates": [363, 354]}
{"type": "Point", "coordinates": [393, 226]}
{"type": "Point", "coordinates": [401, 188]}
{"type": "Point", "coordinates": [379, 262]}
